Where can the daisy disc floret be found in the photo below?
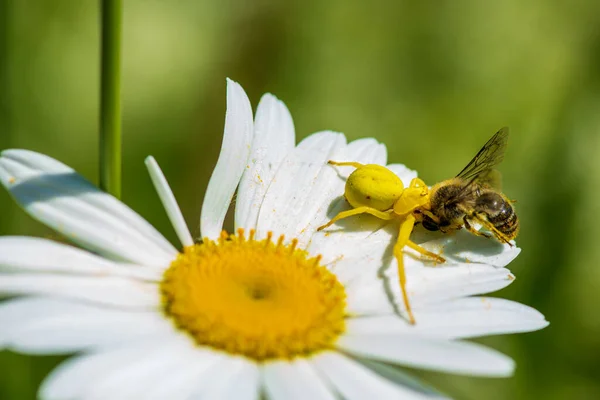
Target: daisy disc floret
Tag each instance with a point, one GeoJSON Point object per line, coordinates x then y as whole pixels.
{"type": "Point", "coordinates": [257, 298]}
{"type": "Point", "coordinates": [274, 309]}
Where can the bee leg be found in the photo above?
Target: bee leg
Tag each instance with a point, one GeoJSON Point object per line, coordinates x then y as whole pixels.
{"type": "Point", "coordinates": [406, 228]}
{"type": "Point", "coordinates": [425, 252]}
{"type": "Point", "coordinates": [499, 235]}
{"type": "Point", "coordinates": [385, 215]}
{"type": "Point", "coordinates": [345, 164]}
{"type": "Point", "coordinates": [473, 230]}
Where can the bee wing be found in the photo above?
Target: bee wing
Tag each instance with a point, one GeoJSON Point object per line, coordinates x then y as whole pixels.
{"type": "Point", "coordinates": [491, 178]}
{"type": "Point", "coordinates": [480, 169]}
{"type": "Point", "coordinates": [490, 155]}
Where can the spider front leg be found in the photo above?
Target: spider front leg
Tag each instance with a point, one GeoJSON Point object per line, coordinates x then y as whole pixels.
{"type": "Point", "coordinates": [421, 250]}
{"type": "Point", "coordinates": [406, 228]}
{"type": "Point", "coordinates": [385, 215]}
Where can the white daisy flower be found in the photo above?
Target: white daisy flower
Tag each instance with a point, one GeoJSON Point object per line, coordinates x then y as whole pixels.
{"type": "Point", "coordinates": [276, 310]}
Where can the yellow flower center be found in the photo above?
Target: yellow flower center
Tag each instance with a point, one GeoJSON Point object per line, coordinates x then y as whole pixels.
{"type": "Point", "coordinates": [256, 298]}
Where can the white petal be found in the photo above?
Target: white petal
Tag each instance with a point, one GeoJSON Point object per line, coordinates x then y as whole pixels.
{"type": "Point", "coordinates": [464, 247]}
{"type": "Point", "coordinates": [302, 181]}
{"type": "Point", "coordinates": [431, 284]}
{"type": "Point", "coordinates": [237, 139]}
{"type": "Point", "coordinates": [168, 199]}
{"type": "Point", "coordinates": [244, 384]}
{"type": "Point", "coordinates": [359, 266]}
{"type": "Point", "coordinates": [37, 161]}
{"type": "Point", "coordinates": [369, 273]}
{"type": "Point", "coordinates": [56, 326]}
{"type": "Point", "coordinates": [75, 376]}
{"type": "Point", "coordinates": [404, 173]}
{"type": "Point", "coordinates": [395, 374]}
{"type": "Point", "coordinates": [460, 318]}
{"type": "Point", "coordinates": [430, 353]}
{"type": "Point", "coordinates": [136, 380]}
{"type": "Point", "coordinates": [28, 254]}
{"type": "Point", "coordinates": [364, 151]}
{"type": "Point", "coordinates": [274, 138]}
{"type": "Point", "coordinates": [114, 291]}
{"type": "Point", "coordinates": [294, 380]}
{"type": "Point", "coordinates": [74, 207]}
{"type": "Point", "coordinates": [355, 254]}
{"type": "Point", "coordinates": [372, 277]}
{"type": "Point", "coordinates": [139, 379]}
{"type": "Point", "coordinates": [425, 285]}
{"type": "Point", "coordinates": [125, 372]}
{"type": "Point", "coordinates": [180, 382]}
{"type": "Point", "coordinates": [222, 379]}
{"type": "Point", "coordinates": [355, 382]}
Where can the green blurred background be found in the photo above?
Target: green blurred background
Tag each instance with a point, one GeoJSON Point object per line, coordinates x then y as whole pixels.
{"type": "Point", "coordinates": [433, 80]}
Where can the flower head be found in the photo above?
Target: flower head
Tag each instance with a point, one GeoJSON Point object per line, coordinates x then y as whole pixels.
{"type": "Point", "coordinates": [274, 307]}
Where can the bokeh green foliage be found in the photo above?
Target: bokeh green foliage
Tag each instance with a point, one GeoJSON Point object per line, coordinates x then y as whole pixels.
{"type": "Point", "coordinates": [432, 80]}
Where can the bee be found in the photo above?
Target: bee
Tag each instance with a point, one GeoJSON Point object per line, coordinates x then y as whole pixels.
{"type": "Point", "coordinates": [472, 197]}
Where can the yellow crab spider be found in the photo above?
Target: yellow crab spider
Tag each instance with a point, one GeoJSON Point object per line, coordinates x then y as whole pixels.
{"type": "Point", "coordinates": [373, 189]}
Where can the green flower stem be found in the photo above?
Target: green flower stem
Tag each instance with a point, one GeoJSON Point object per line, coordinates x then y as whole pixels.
{"type": "Point", "coordinates": [110, 98]}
